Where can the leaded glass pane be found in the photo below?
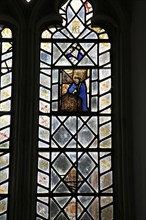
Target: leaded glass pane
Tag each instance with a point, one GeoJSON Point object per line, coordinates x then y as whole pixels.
{"type": "Point", "coordinates": [75, 176]}
{"type": "Point", "coordinates": [6, 51]}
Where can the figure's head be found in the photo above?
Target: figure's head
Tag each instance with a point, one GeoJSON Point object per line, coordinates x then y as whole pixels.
{"type": "Point", "coordinates": [76, 79]}
{"type": "Point", "coordinates": [79, 75]}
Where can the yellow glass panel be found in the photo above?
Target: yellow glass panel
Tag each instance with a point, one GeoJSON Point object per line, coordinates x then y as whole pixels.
{"type": "Point", "coordinates": [46, 34]}
{"type": "Point", "coordinates": [46, 46]}
{"type": "Point", "coordinates": [105, 164]}
{"type": "Point", "coordinates": [106, 144]}
{"type": "Point", "coordinates": [6, 33]}
{"type": "Point", "coordinates": [103, 36]}
{"type": "Point", "coordinates": [5, 106]}
{"type": "Point", "coordinates": [105, 130]}
{"type": "Point", "coordinates": [104, 47]}
{"type": "Point", "coordinates": [6, 46]}
{"type": "Point", "coordinates": [4, 188]}
{"type": "Point", "coordinates": [100, 31]}
{"type": "Point", "coordinates": [105, 86]}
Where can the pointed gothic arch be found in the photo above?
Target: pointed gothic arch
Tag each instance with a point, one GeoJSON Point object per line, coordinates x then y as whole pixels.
{"type": "Point", "coordinates": [28, 31]}
{"type": "Point", "coordinates": [74, 148]}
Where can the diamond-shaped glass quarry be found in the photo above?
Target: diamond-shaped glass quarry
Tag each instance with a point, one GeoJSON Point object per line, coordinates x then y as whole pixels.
{"type": "Point", "coordinates": [62, 164]}
{"type": "Point", "coordinates": [85, 136]}
{"type": "Point", "coordinates": [62, 136]}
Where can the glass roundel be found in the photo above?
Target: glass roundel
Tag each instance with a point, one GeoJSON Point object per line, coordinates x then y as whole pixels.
{"type": "Point", "coordinates": [75, 175]}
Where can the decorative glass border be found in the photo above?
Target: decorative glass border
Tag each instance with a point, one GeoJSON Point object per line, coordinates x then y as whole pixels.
{"type": "Point", "coordinates": [6, 55]}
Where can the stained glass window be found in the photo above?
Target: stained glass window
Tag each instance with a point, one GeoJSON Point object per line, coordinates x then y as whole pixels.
{"type": "Point", "coordinates": [5, 115]}
{"type": "Point", "coordinates": [75, 175]}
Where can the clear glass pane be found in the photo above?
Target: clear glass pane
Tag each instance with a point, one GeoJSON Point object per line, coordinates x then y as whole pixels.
{"type": "Point", "coordinates": [107, 213]}
{"type": "Point", "coordinates": [94, 209]}
{"type": "Point", "coordinates": [105, 164]}
{"type": "Point", "coordinates": [85, 136]}
{"type": "Point", "coordinates": [44, 121]}
{"type": "Point", "coordinates": [5, 93]}
{"type": "Point", "coordinates": [104, 73]}
{"type": "Point", "coordinates": [44, 94]}
{"type": "Point", "coordinates": [62, 164]}
{"type": "Point", "coordinates": [55, 92]}
{"type": "Point", "coordinates": [6, 79]}
{"type": "Point", "coordinates": [4, 174]}
{"type": "Point", "coordinates": [104, 101]}
{"type": "Point", "coordinates": [104, 119]}
{"type": "Point", "coordinates": [106, 143]}
{"type": "Point", "coordinates": [47, 45]}
{"type": "Point", "coordinates": [4, 160]}
{"type": "Point", "coordinates": [86, 165]}
{"type": "Point", "coordinates": [106, 180]}
{"type": "Point", "coordinates": [94, 88]}
{"type": "Point", "coordinates": [4, 188]}
{"type": "Point", "coordinates": [4, 121]}
{"type": "Point", "coordinates": [105, 86]}
{"type": "Point", "coordinates": [106, 200]}
{"type": "Point", "coordinates": [45, 80]}
{"type": "Point", "coordinates": [5, 106]}
{"type": "Point", "coordinates": [42, 210]}
{"type": "Point", "coordinates": [94, 74]}
{"type": "Point", "coordinates": [4, 134]}
{"type": "Point", "coordinates": [105, 130]}
{"type": "Point", "coordinates": [3, 217]}
{"type": "Point", "coordinates": [4, 145]}
{"type": "Point", "coordinates": [43, 165]}
{"type": "Point", "coordinates": [44, 107]}
{"type": "Point", "coordinates": [44, 134]}
{"type": "Point", "coordinates": [104, 47]}
{"type": "Point", "coordinates": [3, 205]}
{"type": "Point", "coordinates": [6, 56]}
{"type": "Point", "coordinates": [54, 209]}
{"type": "Point", "coordinates": [104, 58]}
{"type": "Point", "coordinates": [62, 136]}
{"type": "Point", "coordinates": [94, 104]}
{"type": "Point", "coordinates": [43, 145]}
{"type": "Point", "coordinates": [43, 199]}
{"type": "Point", "coordinates": [43, 179]}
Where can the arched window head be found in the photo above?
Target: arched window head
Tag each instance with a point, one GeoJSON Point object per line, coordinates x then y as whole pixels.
{"type": "Point", "coordinates": [75, 137]}
{"type": "Point", "coordinates": [6, 53]}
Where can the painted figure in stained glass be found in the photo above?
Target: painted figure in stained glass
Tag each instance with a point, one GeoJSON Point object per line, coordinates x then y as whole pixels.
{"type": "Point", "coordinates": [79, 87]}
{"type": "Point", "coordinates": [74, 90]}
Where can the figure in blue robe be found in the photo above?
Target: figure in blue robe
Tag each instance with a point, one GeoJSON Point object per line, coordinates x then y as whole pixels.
{"type": "Point", "coordinates": [80, 89]}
